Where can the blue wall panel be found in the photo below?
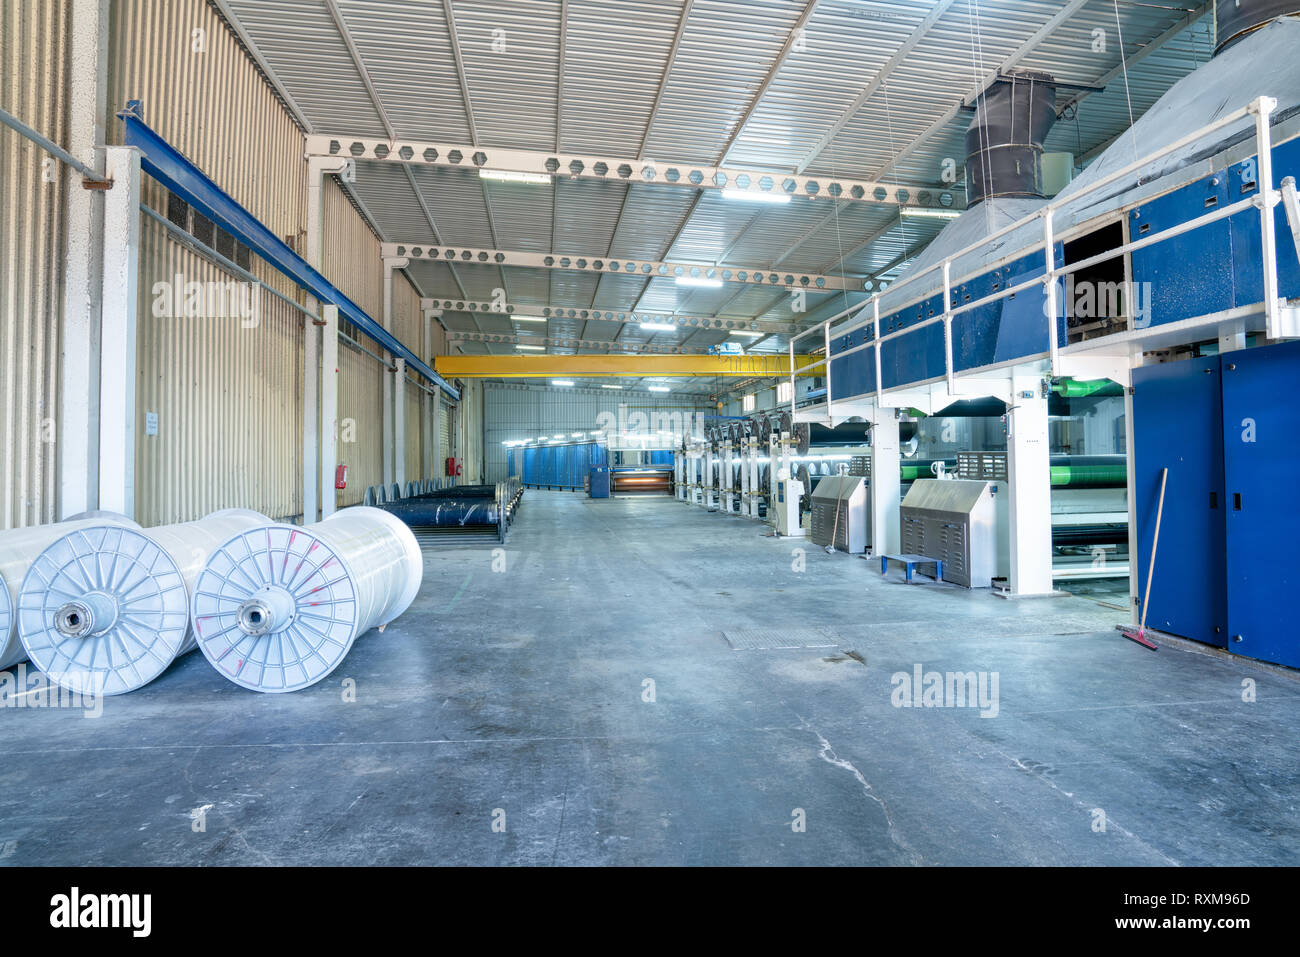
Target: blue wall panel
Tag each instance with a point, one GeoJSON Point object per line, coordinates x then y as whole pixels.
{"type": "Point", "coordinates": [1261, 461]}
{"type": "Point", "coordinates": [1187, 587]}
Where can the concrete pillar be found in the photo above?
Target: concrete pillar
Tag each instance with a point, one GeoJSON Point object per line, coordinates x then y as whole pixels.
{"type": "Point", "coordinates": [329, 408]}
{"type": "Point", "coordinates": [117, 368]}
{"type": "Point", "coordinates": [390, 453]}
{"type": "Point", "coordinates": [78, 426]}
{"type": "Point", "coordinates": [886, 535]}
{"type": "Point", "coordinates": [314, 464]}
{"type": "Point", "coordinates": [399, 423]}
{"type": "Point", "coordinates": [1029, 478]}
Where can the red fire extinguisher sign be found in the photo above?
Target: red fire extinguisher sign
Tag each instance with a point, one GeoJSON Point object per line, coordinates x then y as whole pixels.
{"type": "Point", "coordinates": [341, 476]}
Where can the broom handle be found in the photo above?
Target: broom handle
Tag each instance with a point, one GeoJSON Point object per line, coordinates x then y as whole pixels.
{"type": "Point", "coordinates": [1155, 541]}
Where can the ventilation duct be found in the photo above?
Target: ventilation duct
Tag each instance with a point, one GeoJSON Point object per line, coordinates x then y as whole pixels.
{"type": "Point", "coordinates": [1233, 19]}
{"type": "Point", "coordinates": [1004, 145]}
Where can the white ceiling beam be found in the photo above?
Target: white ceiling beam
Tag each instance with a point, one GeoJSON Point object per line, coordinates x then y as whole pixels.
{"type": "Point", "coordinates": [752, 275]}
{"type": "Point", "coordinates": [1026, 48]}
{"type": "Point", "coordinates": [666, 173]}
{"type": "Point", "coordinates": [573, 342]}
{"type": "Point", "coordinates": [625, 317]}
{"type": "Point", "coordinates": [667, 74]}
{"type": "Point", "coordinates": [876, 83]}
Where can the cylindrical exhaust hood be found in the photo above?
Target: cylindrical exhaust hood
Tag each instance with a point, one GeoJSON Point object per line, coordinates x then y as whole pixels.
{"type": "Point", "coordinates": [1233, 19]}
{"type": "Point", "coordinates": [1004, 144]}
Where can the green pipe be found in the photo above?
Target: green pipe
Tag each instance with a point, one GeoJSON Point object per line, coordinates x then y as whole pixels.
{"type": "Point", "coordinates": [1089, 476]}
{"type": "Point", "coordinates": [1063, 476]}
{"type": "Point", "coordinates": [1076, 389]}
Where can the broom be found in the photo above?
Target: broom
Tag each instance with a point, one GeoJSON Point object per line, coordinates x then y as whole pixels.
{"type": "Point", "coordinates": [1140, 636]}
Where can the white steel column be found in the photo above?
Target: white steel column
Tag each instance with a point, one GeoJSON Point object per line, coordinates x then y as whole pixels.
{"type": "Point", "coordinates": [78, 426]}
{"type": "Point", "coordinates": [399, 424]}
{"type": "Point", "coordinates": [317, 168]}
{"type": "Point", "coordinates": [329, 408]}
{"type": "Point", "coordinates": [1030, 479]}
{"type": "Point", "coordinates": [391, 264]}
{"type": "Point", "coordinates": [121, 257]}
{"type": "Point", "coordinates": [886, 535]}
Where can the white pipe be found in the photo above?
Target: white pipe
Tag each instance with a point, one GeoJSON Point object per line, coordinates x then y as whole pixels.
{"type": "Point", "coordinates": [105, 609]}
{"type": "Point", "coordinates": [18, 548]}
{"type": "Point", "coordinates": [278, 607]}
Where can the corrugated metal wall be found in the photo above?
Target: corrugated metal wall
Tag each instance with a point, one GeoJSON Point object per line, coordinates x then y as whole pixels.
{"type": "Point", "coordinates": [33, 85]}
{"type": "Point", "coordinates": [524, 412]}
{"type": "Point", "coordinates": [350, 258]}
{"type": "Point", "coordinates": [228, 396]}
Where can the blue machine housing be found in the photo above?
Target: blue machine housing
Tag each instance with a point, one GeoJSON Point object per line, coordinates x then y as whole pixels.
{"type": "Point", "coordinates": [1209, 269]}
{"type": "Point", "coordinates": [1225, 570]}
{"type": "Point", "coordinates": [558, 466]}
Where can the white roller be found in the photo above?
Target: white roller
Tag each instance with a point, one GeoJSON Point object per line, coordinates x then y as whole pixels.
{"type": "Point", "coordinates": [105, 609]}
{"type": "Point", "coordinates": [18, 548]}
{"type": "Point", "coordinates": [278, 607]}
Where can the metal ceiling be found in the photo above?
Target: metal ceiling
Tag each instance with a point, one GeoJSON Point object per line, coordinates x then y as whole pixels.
{"type": "Point", "coordinates": [850, 90]}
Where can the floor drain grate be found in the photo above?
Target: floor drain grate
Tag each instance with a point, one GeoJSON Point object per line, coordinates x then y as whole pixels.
{"type": "Point", "coordinates": [776, 639]}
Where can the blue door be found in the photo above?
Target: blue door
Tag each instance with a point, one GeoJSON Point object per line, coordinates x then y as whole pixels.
{"type": "Point", "coordinates": [1176, 415]}
{"type": "Point", "coordinates": [1261, 427]}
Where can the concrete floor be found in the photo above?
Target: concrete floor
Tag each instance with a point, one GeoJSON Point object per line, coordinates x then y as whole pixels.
{"type": "Point", "coordinates": [520, 693]}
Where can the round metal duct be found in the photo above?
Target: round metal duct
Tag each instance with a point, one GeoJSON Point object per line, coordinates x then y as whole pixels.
{"type": "Point", "coordinates": [18, 548]}
{"type": "Point", "coordinates": [105, 609]}
{"type": "Point", "coordinates": [278, 607]}
{"type": "Point", "coordinates": [1004, 144]}
{"type": "Point", "coordinates": [1233, 19]}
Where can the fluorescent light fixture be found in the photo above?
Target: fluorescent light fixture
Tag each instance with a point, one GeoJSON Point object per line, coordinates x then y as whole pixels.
{"type": "Point", "coordinates": [562, 382]}
{"type": "Point", "coordinates": [513, 176]}
{"type": "Point", "coordinates": [520, 345]}
{"type": "Point", "coordinates": [577, 435]}
{"type": "Point", "coordinates": [745, 332]}
{"type": "Point", "coordinates": [658, 327]}
{"type": "Point", "coordinates": [529, 318]}
{"type": "Point", "coordinates": [699, 282]}
{"type": "Point", "coordinates": [659, 388]}
{"type": "Point", "coordinates": [611, 387]}
{"type": "Point", "coordinates": [753, 196]}
{"type": "Point", "coordinates": [924, 213]}
{"type": "Point", "coordinates": [557, 436]}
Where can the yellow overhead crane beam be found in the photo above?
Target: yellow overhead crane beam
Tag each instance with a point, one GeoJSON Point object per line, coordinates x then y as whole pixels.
{"type": "Point", "coordinates": [598, 366]}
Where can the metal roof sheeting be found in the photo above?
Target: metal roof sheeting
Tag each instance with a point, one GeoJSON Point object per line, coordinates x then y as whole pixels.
{"type": "Point", "coordinates": [845, 88]}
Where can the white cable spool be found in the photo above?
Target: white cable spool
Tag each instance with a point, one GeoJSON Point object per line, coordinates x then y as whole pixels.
{"type": "Point", "coordinates": [18, 548]}
{"type": "Point", "coordinates": [277, 608]}
{"type": "Point", "coordinates": [105, 610]}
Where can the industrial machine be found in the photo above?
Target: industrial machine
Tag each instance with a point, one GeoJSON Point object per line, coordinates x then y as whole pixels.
{"type": "Point", "coordinates": [641, 479]}
{"type": "Point", "coordinates": [787, 513]}
{"type": "Point", "coordinates": [839, 517]}
{"type": "Point", "coordinates": [457, 515]}
{"type": "Point", "coordinates": [953, 521]}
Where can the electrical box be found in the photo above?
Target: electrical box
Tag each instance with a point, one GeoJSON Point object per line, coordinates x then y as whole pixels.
{"type": "Point", "coordinates": [839, 513]}
{"type": "Point", "coordinates": [599, 482]}
{"type": "Point", "coordinates": [785, 511]}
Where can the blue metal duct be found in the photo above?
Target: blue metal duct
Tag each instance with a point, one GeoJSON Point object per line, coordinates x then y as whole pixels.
{"type": "Point", "coordinates": [168, 166]}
